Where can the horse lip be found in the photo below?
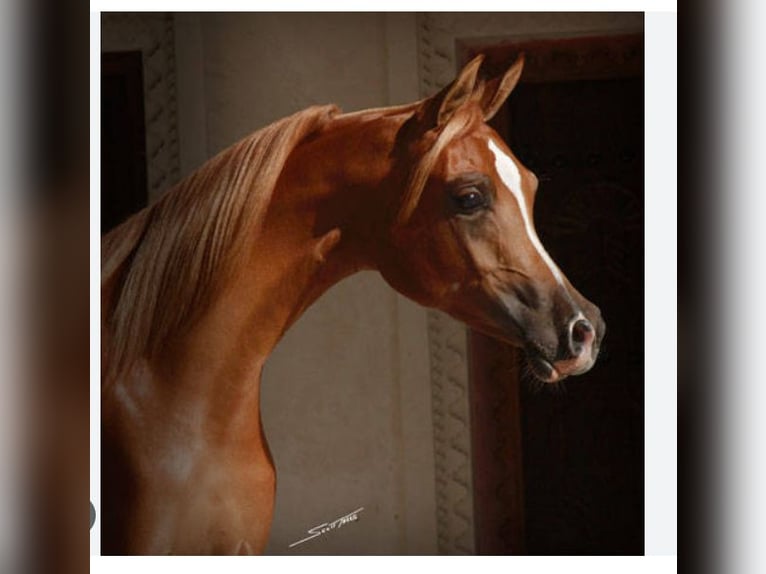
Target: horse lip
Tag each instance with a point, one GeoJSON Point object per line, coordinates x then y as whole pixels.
{"type": "Point", "coordinates": [542, 368]}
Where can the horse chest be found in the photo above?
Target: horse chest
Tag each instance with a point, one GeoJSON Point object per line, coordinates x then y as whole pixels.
{"type": "Point", "coordinates": [197, 492]}
{"type": "Point", "coordinates": [225, 512]}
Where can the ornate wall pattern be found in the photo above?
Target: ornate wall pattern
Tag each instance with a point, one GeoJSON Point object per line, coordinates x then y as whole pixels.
{"type": "Point", "coordinates": [152, 34]}
{"type": "Point", "coordinates": [452, 446]}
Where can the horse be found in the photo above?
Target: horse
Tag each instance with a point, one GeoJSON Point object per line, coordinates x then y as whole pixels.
{"type": "Point", "coordinates": [198, 288]}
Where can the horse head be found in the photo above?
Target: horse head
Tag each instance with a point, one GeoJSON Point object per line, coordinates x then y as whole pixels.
{"type": "Point", "coordinates": [462, 239]}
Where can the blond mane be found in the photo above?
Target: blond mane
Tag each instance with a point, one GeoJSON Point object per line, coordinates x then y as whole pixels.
{"type": "Point", "coordinates": [161, 266]}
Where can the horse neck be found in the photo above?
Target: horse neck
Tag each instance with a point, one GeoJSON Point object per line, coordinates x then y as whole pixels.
{"type": "Point", "coordinates": [317, 230]}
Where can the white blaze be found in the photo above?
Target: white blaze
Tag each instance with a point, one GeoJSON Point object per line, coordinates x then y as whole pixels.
{"type": "Point", "coordinates": [509, 173]}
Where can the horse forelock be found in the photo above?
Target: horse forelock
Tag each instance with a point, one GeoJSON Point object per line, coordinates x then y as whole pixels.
{"type": "Point", "coordinates": [460, 123]}
{"type": "Point", "coordinates": [164, 264]}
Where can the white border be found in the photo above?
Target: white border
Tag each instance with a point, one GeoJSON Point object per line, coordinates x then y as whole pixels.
{"type": "Point", "coordinates": [661, 307]}
{"type": "Point", "coordinates": [660, 295]}
{"type": "Point", "coordinates": [386, 564]}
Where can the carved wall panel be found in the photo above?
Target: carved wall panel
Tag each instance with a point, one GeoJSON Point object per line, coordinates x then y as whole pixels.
{"type": "Point", "coordinates": [153, 34]}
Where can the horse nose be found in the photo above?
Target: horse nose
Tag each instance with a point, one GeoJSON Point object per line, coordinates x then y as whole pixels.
{"type": "Point", "coordinates": [581, 335]}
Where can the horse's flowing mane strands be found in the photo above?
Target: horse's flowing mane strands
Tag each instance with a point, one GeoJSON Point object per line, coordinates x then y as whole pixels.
{"type": "Point", "coordinates": [424, 165]}
{"type": "Point", "coordinates": [167, 258]}
{"type": "Point", "coordinates": [382, 111]}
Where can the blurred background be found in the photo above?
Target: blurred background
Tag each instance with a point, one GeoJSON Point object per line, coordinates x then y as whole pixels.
{"type": "Point", "coordinates": [371, 401]}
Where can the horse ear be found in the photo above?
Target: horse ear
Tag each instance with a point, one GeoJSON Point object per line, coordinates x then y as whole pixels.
{"type": "Point", "coordinates": [496, 90]}
{"type": "Point", "coordinates": [451, 98]}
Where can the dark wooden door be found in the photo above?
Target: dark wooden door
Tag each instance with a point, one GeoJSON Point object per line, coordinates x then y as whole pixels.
{"type": "Point", "coordinates": [123, 142]}
{"type": "Point", "coordinates": [564, 470]}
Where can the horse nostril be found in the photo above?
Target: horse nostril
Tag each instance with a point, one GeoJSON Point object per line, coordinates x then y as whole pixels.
{"type": "Point", "coordinates": [580, 336]}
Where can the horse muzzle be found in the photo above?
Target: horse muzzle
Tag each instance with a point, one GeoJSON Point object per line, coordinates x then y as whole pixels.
{"type": "Point", "coordinates": [576, 352]}
{"type": "Point", "coordinates": [560, 331]}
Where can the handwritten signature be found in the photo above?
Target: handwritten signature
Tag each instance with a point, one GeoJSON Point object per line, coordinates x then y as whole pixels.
{"type": "Point", "coordinates": [325, 527]}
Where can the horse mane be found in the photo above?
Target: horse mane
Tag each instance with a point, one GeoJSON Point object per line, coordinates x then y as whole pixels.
{"type": "Point", "coordinates": [161, 266]}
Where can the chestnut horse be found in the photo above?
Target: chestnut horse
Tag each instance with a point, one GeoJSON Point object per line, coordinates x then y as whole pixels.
{"type": "Point", "coordinates": [198, 288]}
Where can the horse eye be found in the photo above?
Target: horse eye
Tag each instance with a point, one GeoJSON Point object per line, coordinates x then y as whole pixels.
{"type": "Point", "coordinates": [469, 200]}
